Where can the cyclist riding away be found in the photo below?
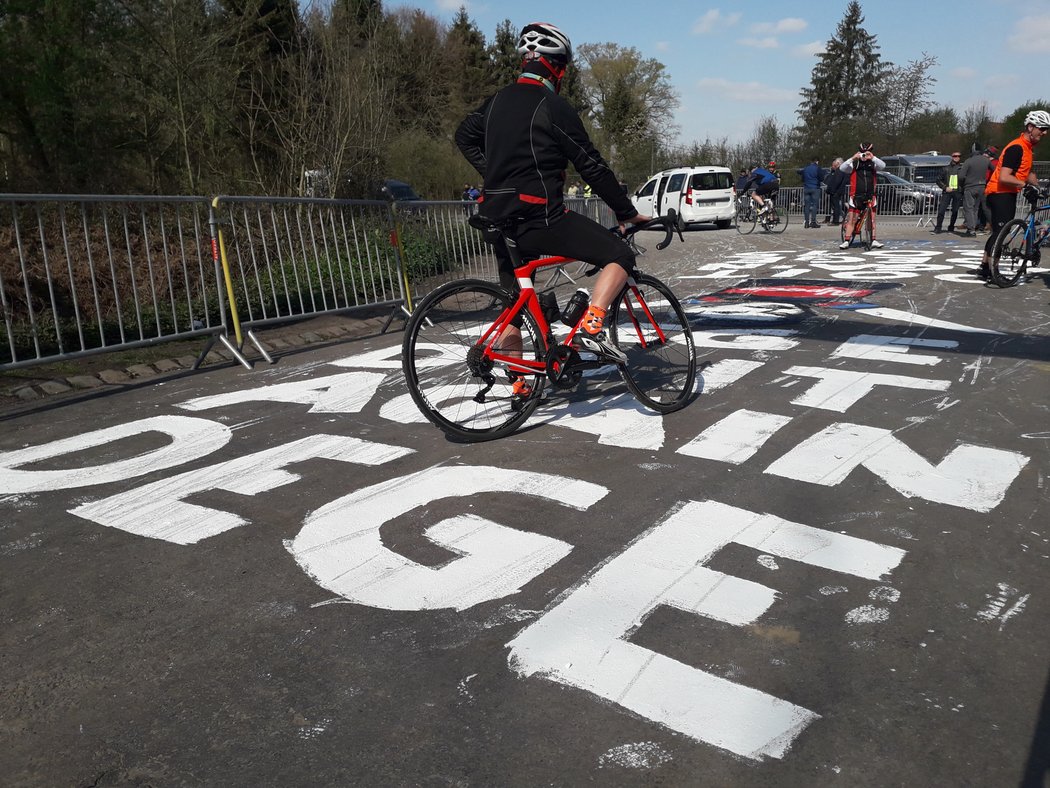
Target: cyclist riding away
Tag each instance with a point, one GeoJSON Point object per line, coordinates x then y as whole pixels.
{"type": "Point", "coordinates": [765, 184]}
{"type": "Point", "coordinates": [521, 141]}
{"type": "Point", "coordinates": [1013, 172]}
{"type": "Point", "coordinates": [861, 168]}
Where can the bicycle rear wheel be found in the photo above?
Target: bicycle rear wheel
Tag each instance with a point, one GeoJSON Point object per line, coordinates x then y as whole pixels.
{"type": "Point", "coordinates": [649, 325]}
{"type": "Point", "coordinates": [777, 219]}
{"type": "Point", "coordinates": [866, 229]}
{"type": "Point", "coordinates": [745, 219]}
{"type": "Point", "coordinates": [465, 394]}
{"type": "Point", "coordinates": [1010, 253]}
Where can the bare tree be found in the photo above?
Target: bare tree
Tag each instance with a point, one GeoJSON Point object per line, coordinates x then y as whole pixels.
{"type": "Point", "coordinates": [907, 95]}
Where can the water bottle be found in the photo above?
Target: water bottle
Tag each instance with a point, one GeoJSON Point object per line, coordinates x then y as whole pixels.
{"type": "Point", "coordinates": [574, 310]}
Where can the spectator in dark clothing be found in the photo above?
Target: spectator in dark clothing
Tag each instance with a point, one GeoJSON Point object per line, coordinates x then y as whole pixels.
{"type": "Point", "coordinates": [974, 175]}
{"type": "Point", "coordinates": [741, 179]}
{"type": "Point", "coordinates": [950, 181]}
{"type": "Point", "coordinates": [835, 188]}
{"type": "Point", "coordinates": [811, 191]}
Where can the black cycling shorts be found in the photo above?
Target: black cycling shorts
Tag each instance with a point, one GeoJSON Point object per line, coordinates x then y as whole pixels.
{"type": "Point", "coordinates": [765, 189]}
{"type": "Point", "coordinates": [1002, 207]}
{"type": "Point", "coordinates": [573, 236]}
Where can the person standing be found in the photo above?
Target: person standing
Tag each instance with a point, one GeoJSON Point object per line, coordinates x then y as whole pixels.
{"type": "Point", "coordinates": [1012, 174]}
{"type": "Point", "coordinates": [811, 192]}
{"type": "Point", "coordinates": [861, 168]}
{"type": "Point", "coordinates": [974, 177]}
{"type": "Point", "coordinates": [948, 180]}
{"type": "Point", "coordinates": [835, 188]}
{"type": "Point", "coordinates": [982, 209]}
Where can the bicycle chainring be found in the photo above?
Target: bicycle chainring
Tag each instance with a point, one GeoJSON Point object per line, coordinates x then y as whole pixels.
{"type": "Point", "coordinates": [564, 367]}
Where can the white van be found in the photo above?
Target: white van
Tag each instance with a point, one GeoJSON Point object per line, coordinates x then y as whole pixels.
{"type": "Point", "coordinates": [698, 194]}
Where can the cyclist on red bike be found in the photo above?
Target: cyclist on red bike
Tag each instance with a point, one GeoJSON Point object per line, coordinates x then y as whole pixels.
{"type": "Point", "coordinates": [861, 168]}
{"type": "Point", "coordinates": [521, 140]}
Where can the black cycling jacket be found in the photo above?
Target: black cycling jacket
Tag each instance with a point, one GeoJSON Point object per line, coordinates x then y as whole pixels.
{"type": "Point", "coordinates": [521, 140]}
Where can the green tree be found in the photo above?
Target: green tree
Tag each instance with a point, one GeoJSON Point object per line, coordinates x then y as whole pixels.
{"type": "Point", "coordinates": [59, 104]}
{"type": "Point", "coordinates": [467, 63]}
{"type": "Point", "coordinates": [845, 88]}
{"type": "Point", "coordinates": [907, 92]}
{"type": "Point", "coordinates": [629, 100]}
{"type": "Point", "coordinates": [504, 60]}
{"type": "Point", "coordinates": [1013, 124]}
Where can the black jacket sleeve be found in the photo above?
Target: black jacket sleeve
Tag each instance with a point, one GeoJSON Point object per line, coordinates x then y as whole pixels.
{"type": "Point", "coordinates": [577, 146]}
{"type": "Point", "coordinates": [470, 138]}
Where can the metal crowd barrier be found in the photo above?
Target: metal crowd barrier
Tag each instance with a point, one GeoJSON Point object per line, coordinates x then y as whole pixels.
{"type": "Point", "coordinates": [296, 258]}
{"type": "Point", "coordinates": [81, 275]}
{"type": "Point", "coordinates": [87, 274]}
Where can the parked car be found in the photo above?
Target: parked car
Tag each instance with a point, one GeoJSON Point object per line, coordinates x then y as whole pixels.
{"type": "Point", "coordinates": [698, 194]}
{"type": "Point", "coordinates": [397, 191]}
{"type": "Point", "coordinates": [897, 195]}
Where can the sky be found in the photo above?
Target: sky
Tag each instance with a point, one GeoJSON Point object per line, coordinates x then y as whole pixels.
{"type": "Point", "coordinates": [733, 63]}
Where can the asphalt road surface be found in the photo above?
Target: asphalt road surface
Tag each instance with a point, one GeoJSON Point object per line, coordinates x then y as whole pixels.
{"type": "Point", "coordinates": [831, 568]}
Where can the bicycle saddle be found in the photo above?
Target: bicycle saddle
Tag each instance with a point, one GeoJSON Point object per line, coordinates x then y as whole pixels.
{"type": "Point", "coordinates": [485, 224]}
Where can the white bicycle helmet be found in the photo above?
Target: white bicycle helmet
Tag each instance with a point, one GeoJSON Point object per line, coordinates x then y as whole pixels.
{"type": "Point", "coordinates": [1038, 117]}
{"type": "Point", "coordinates": [542, 39]}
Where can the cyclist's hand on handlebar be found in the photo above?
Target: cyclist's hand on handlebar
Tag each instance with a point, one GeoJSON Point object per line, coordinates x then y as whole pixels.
{"type": "Point", "coordinates": [638, 218]}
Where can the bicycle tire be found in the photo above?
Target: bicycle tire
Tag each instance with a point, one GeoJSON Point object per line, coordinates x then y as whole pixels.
{"type": "Point", "coordinates": [866, 231]}
{"type": "Point", "coordinates": [745, 219]}
{"type": "Point", "coordinates": [438, 338]}
{"type": "Point", "coordinates": [661, 375]}
{"type": "Point", "coordinates": [778, 222]}
{"type": "Point", "coordinates": [1010, 253]}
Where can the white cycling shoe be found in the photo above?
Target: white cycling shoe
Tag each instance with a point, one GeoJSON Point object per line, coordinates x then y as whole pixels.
{"type": "Point", "coordinates": [599, 345]}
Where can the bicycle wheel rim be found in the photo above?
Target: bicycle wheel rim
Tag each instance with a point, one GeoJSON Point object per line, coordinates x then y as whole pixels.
{"type": "Point", "coordinates": [865, 231]}
{"type": "Point", "coordinates": [660, 374]}
{"type": "Point", "coordinates": [779, 221]}
{"type": "Point", "coordinates": [1009, 254]}
{"type": "Point", "coordinates": [440, 334]}
{"type": "Point", "coordinates": [745, 221]}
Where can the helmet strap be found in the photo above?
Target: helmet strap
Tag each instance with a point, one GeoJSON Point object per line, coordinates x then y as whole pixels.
{"type": "Point", "coordinates": [556, 72]}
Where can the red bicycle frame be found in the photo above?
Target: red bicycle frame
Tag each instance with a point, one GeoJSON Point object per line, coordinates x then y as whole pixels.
{"type": "Point", "coordinates": [527, 299]}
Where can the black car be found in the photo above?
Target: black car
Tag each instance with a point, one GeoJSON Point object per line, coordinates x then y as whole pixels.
{"type": "Point", "coordinates": [397, 191]}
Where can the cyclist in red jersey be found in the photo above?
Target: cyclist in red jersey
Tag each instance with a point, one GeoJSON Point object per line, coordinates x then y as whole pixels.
{"type": "Point", "coordinates": [861, 168]}
{"type": "Point", "coordinates": [521, 140]}
{"type": "Point", "coordinates": [1012, 173]}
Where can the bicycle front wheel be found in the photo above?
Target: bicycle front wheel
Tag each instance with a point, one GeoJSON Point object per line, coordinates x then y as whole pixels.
{"type": "Point", "coordinates": [1010, 253]}
{"type": "Point", "coordinates": [866, 230]}
{"type": "Point", "coordinates": [745, 219]}
{"type": "Point", "coordinates": [649, 325]}
{"type": "Point", "coordinates": [452, 382]}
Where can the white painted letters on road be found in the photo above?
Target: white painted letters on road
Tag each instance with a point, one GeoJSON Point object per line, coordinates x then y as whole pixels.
{"type": "Point", "coordinates": [158, 510]}
{"type": "Point", "coordinates": [345, 393]}
{"type": "Point", "coordinates": [973, 477]}
{"type": "Point", "coordinates": [341, 547]}
{"type": "Point", "coordinates": [583, 641]}
{"type": "Point", "coordinates": [838, 389]}
{"type": "Point", "coordinates": [190, 438]}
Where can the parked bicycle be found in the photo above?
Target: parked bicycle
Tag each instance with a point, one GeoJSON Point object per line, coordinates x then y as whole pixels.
{"type": "Point", "coordinates": [461, 372]}
{"type": "Point", "coordinates": [748, 216]}
{"type": "Point", "coordinates": [1019, 242]}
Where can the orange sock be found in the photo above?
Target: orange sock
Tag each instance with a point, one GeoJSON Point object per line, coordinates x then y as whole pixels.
{"type": "Point", "coordinates": [594, 319]}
